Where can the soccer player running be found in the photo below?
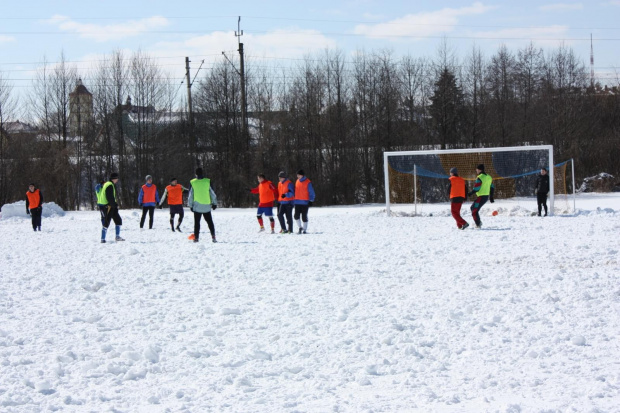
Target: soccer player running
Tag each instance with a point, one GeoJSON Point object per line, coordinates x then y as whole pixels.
{"type": "Point", "coordinates": [110, 203]}
{"type": "Point", "coordinates": [201, 201]}
{"type": "Point", "coordinates": [484, 189]}
{"type": "Point", "coordinates": [147, 199]}
{"type": "Point", "coordinates": [99, 195]}
{"type": "Point", "coordinates": [267, 194]}
{"type": "Point", "coordinates": [286, 190]}
{"type": "Point", "coordinates": [174, 193]}
{"type": "Point", "coordinates": [542, 189]}
{"type": "Point", "coordinates": [457, 190]}
{"type": "Point", "coordinates": [34, 206]}
{"type": "Point", "coordinates": [304, 197]}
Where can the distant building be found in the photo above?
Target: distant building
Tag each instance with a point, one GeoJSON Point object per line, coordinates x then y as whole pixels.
{"type": "Point", "coordinates": [80, 109]}
{"type": "Point", "coordinates": [19, 127]}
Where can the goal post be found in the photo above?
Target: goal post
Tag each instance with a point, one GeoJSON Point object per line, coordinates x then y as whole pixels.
{"type": "Point", "coordinates": [412, 176]}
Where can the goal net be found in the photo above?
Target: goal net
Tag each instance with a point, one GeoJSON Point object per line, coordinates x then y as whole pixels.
{"type": "Point", "coordinates": [419, 177]}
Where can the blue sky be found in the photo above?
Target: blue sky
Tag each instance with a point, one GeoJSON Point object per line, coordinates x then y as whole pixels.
{"type": "Point", "coordinates": [281, 32]}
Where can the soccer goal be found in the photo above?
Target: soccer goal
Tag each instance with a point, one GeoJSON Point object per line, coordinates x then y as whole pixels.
{"type": "Point", "coordinates": [418, 177]}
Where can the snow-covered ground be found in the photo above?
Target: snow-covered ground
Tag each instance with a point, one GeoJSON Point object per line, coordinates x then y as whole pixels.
{"type": "Point", "coordinates": [363, 314]}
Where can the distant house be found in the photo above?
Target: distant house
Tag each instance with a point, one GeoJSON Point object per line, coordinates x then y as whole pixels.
{"type": "Point", "coordinates": [138, 120]}
{"type": "Point", "coordinates": [19, 127]}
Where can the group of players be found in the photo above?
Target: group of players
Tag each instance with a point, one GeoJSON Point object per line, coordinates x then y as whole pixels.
{"type": "Point", "coordinates": [290, 197]}
{"type": "Point", "coordinates": [484, 190]}
{"type": "Point", "coordinates": [202, 200]}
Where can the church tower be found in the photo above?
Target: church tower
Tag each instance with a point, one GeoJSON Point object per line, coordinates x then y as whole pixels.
{"type": "Point", "coordinates": [80, 109]}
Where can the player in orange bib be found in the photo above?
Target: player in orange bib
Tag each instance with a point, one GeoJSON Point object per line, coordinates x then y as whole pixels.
{"type": "Point", "coordinates": [174, 193]}
{"type": "Point", "coordinates": [458, 192]}
{"type": "Point", "coordinates": [267, 194]}
{"type": "Point", "coordinates": [286, 191]}
{"type": "Point", "coordinates": [34, 206]}
{"type": "Point", "coordinates": [147, 199]}
{"type": "Point", "coordinates": [304, 197]}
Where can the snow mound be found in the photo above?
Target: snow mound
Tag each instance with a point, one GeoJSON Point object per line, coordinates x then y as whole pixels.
{"type": "Point", "coordinates": [602, 182]}
{"type": "Point", "coordinates": [18, 210]}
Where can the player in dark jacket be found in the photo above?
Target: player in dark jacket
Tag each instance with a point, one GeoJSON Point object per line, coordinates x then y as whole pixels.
{"type": "Point", "coordinates": [542, 189]}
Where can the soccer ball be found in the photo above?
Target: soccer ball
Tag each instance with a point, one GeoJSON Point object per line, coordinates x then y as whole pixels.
{"type": "Point", "coordinates": [495, 213]}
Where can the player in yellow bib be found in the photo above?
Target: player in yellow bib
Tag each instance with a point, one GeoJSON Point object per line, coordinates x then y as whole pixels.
{"type": "Point", "coordinates": [484, 189]}
{"type": "Point", "coordinates": [201, 201]}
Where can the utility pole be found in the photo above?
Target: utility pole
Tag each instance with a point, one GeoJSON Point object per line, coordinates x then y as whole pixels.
{"type": "Point", "coordinates": [238, 34]}
{"type": "Point", "coordinates": [591, 62]}
{"type": "Point", "coordinates": [189, 107]}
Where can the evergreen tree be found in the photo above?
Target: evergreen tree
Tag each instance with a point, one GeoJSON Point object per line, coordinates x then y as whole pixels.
{"type": "Point", "coordinates": [446, 109]}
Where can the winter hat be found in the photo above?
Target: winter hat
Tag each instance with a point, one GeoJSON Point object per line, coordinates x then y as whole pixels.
{"type": "Point", "coordinates": [480, 167]}
{"type": "Point", "coordinates": [454, 171]}
{"type": "Point", "coordinates": [148, 177]}
{"type": "Point", "coordinates": [282, 174]}
{"type": "Point", "coordinates": [113, 175]}
{"type": "Point", "coordinates": [199, 172]}
{"type": "Point", "coordinates": [301, 172]}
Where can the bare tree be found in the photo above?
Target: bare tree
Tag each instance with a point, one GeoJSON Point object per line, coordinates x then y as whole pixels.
{"type": "Point", "coordinates": [8, 105]}
{"type": "Point", "coordinates": [50, 99]}
{"type": "Point", "coordinates": [528, 74]}
{"type": "Point", "coordinates": [476, 97]}
{"type": "Point", "coordinates": [500, 85]}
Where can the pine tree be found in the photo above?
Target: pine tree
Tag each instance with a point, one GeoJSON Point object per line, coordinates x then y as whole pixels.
{"type": "Point", "coordinates": [446, 108]}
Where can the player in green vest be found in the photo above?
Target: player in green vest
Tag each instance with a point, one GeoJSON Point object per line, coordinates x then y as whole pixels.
{"type": "Point", "coordinates": [110, 205]}
{"type": "Point", "coordinates": [99, 194]}
{"type": "Point", "coordinates": [201, 201]}
{"type": "Point", "coordinates": [484, 189]}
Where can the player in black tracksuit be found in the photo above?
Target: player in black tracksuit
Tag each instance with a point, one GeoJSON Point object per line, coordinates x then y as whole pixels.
{"type": "Point", "coordinates": [542, 189]}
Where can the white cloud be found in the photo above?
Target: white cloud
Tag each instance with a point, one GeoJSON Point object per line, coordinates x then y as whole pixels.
{"type": "Point", "coordinates": [421, 24]}
{"type": "Point", "coordinates": [6, 39]}
{"type": "Point", "coordinates": [289, 43]}
{"type": "Point", "coordinates": [540, 36]}
{"type": "Point", "coordinates": [102, 33]}
{"type": "Point", "coordinates": [613, 3]}
{"type": "Point", "coordinates": [370, 16]}
{"type": "Point", "coordinates": [561, 7]}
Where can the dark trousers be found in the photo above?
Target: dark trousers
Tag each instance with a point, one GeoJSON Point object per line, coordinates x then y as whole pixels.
{"type": "Point", "coordinates": [112, 215]}
{"type": "Point", "coordinates": [455, 208]}
{"type": "Point", "coordinates": [475, 208]}
{"type": "Point", "coordinates": [35, 214]}
{"type": "Point", "coordinates": [302, 210]}
{"type": "Point", "coordinates": [102, 212]}
{"type": "Point", "coordinates": [176, 209]}
{"type": "Point", "coordinates": [542, 202]}
{"type": "Point", "coordinates": [208, 218]}
{"type": "Point", "coordinates": [286, 210]}
{"type": "Point", "coordinates": [151, 211]}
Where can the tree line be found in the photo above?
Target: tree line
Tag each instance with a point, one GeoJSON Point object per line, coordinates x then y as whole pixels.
{"type": "Point", "coordinates": [331, 115]}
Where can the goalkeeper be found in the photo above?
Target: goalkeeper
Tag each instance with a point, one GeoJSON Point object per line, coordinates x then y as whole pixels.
{"type": "Point", "coordinates": [484, 189]}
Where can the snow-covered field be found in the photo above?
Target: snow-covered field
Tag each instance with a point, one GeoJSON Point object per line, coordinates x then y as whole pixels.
{"type": "Point", "coordinates": [363, 314]}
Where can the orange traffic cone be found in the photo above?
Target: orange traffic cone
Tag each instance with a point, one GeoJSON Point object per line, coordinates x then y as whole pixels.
{"type": "Point", "coordinates": [191, 237]}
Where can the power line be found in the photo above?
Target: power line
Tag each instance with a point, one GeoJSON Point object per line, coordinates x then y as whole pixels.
{"type": "Point", "coordinates": [387, 23]}
{"type": "Point", "coordinates": [365, 35]}
{"type": "Point", "coordinates": [106, 60]}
